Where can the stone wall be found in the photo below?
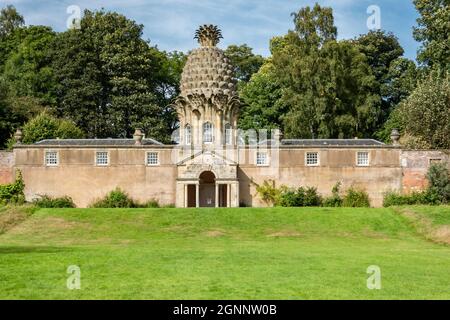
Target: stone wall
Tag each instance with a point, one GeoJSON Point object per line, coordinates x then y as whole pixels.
{"type": "Point", "coordinates": [6, 167]}
{"type": "Point", "coordinates": [336, 165]}
{"type": "Point", "coordinates": [77, 175]}
{"type": "Point", "coordinates": [415, 164]}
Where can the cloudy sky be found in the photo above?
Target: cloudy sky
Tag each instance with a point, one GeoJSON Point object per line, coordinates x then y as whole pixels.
{"type": "Point", "coordinates": [170, 24]}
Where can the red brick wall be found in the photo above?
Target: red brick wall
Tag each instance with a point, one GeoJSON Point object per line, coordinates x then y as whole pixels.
{"type": "Point", "coordinates": [6, 167]}
{"type": "Point", "coordinates": [415, 166]}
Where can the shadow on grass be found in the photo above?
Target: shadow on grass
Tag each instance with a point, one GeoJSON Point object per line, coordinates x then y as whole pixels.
{"type": "Point", "coordinates": [32, 249]}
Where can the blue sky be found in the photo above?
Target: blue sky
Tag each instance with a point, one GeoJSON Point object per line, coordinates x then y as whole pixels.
{"type": "Point", "coordinates": [171, 24]}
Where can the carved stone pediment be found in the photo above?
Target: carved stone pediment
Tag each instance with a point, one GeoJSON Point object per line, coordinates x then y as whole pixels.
{"type": "Point", "coordinates": [192, 167]}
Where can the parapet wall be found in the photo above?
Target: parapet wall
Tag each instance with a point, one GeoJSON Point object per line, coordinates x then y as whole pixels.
{"type": "Point", "coordinates": [415, 164]}
{"type": "Point", "coordinates": [6, 167]}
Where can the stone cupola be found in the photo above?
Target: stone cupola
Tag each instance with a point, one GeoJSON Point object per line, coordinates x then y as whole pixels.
{"type": "Point", "coordinates": [208, 104]}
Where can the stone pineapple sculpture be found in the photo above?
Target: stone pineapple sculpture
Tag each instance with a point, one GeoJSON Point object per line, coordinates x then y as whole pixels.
{"type": "Point", "coordinates": [208, 90]}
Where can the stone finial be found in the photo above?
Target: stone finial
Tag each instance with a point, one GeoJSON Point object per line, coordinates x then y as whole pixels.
{"type": "Point", "coordinates": [395, 137]}
{"type": "Point", "coordinates": [278, 135]}
{"type": "Point", "coordinates": [138, 136]}
{"type": "Point", "coordinates": [18, 136]}
{"type": "Point", "coordinates": [208, 35]}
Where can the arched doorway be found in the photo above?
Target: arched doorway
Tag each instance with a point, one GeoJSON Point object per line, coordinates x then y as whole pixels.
{"type": "Point", "coordinates": [207, 182]}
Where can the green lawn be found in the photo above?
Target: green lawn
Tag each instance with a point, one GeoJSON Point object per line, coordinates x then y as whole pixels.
{"type": "Point", "coordinates": [279, 253]}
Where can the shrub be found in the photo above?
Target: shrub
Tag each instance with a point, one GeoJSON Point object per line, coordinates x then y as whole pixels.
{"type": "Point", "coordinates": [312, 198]}
{"type": "Point", "coordinates": [428, 197]}
{"type": "Point", "coordinates": [289, 198]}
{"type": "Point", "coordinates": [49, 202]}
{"type": "Point", "coordinates": [115, 199]}
{"type": "Point", "coordinates": [439, 182]}
{"type": "Point", "coordinates": [356, 198]}
{"type": "Point", "coordinates": [268, 192]}
{"type": "Point", "coordinates": [150, 204]}
{"type": "Point", "coordinates": [13, 193]}
{"type": "Point", "coordinates": [335, 200]}
{"type": "Point", "coordinates": [302, 197]}
{"type": "Point", "coordinates": [438, 191]}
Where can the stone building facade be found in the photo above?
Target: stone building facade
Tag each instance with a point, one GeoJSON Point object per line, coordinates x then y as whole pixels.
{"type": "Point", "coordinates": [214, 164]}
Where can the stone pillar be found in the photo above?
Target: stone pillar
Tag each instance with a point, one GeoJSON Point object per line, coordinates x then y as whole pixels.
{"type": "Point", "coordinates": [217, 195]}
{"type": "Point", "coordinates": [197, 195]}
{"type": "Point", "coordinates": [186, 189]}
{"type": "Point", "coordinates": [228, 195]}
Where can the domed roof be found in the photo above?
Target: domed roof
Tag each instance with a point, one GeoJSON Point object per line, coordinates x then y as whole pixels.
{"type": "Point", "coordinates": [207, 70]}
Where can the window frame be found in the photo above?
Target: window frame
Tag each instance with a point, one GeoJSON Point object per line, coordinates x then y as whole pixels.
{"type": "Point", "coordinates": [147, 163]}
{"type": "Point", "coordinates": [434, 160]}
{"type": "Point", "coordinates": [357, 159]}
{"type": "Point", "coordinates": [186, 135]}
{"type": "Point", "coordinates": [267, 159]}
{"type": "Point", "coordinates": [228, 134]}
{"type": "Point", "coordinates": [51, 164]}
{"type": "Point", "coordinates": [108, 160]}
{"type": "Point", "coordinates": [204, 135]}
{"type": "Point", "coordinates": [313, 164]}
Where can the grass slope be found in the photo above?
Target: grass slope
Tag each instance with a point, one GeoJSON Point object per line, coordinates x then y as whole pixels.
{"type": "Point", "coordinates": [247, 253]}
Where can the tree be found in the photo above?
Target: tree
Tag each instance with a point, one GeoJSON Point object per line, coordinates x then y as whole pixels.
{"type": "Point", "coordinates": [393, 73]}
{"type": "Point", "coordinates": [327, 85]}
{"type": "Point", "coordinates": [45, 126]}
{"type": "Point", "coordinates": [426, 114]}
{"type": "Point", "coordinates": [109, 78]}
{"type": "Point", "coordinates": [10, 20]}
{"type": "Point", "coordinates": [261, 106]}
{"type": "Point", "coordinates": [27, 68]}
{"type": "Point", "coordinates": [169, 76]}
{"type": "Point", "coordinates": [246, 63]}
{"type": "Point", "coordinates": [433, 32]}
{"type": "Point", "coordinates": [5, 114]}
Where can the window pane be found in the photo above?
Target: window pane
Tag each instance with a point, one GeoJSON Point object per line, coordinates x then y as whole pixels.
{"type": "Point", "coordinates": [102, 158]}
{"type": "Point", "coordinates": [152, 158]}
{"type": "Point", "coordinates": [261, 158]}
{"type": "Point", "coordinates": [312, 158]}
{"type": "Point", "coordinates": [187, 134]}
{"type": "Point", "coordinates": [228, 134]}
{"type": "Point", "coordinates": [51, 158]}
{"type": "Point", "coordinates": [363, 159]}
{"type": "Point", "coordinates": [207, 132]}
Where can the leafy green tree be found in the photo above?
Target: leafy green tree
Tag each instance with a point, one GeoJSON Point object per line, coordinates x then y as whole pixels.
{"type": "Point", "coordinates": [45, 126]}
{"type": "Point", "coordinates": [168, 87]}
{"type": "Point", "coordinates": [425, 114]}
{"type": "Point", "coordinates": [5, 114]}
{"type": "Point", "coordinates": [246, 63]}
{"type": "Point", "coordinates": [327, 85]}
{"type": "Point", "coordinates": [433, 32]}
{"type": "Point", "coordinates": [109, 78]}
{"type": "Point", "coordinates": [10, 20]}
{"type": "Point", "coordinates": [28, 68]}
{"type": "Point", "coordinates": [261, 106]}
{"type": "Point", "coordinates": [395, 75]}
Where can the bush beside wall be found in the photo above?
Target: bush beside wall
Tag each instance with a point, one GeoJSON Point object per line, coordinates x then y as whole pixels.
{"type": "Point", "coordinates": [356, 198]}
{"type": "Point", "coordinates": [438, 191]}
{"type": "Point", "coordinates": [49, 202]}
{"type": "Point", "coordinates": [120, 199]}
{"type": "Point", "coordinates": [13, 193]}
{"type": "Point", "coordinates": [309, 197]}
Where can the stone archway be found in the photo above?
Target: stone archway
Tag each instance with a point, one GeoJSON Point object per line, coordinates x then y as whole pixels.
{"type": "Point", "coordinates": [207, 181]}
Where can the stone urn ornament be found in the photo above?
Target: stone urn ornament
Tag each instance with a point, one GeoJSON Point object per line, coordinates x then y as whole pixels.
{"type": "Point", "coordinates": [18, 136]}
{"type": "Point", "coordinates": [138, 136]}
{"type": "Point", "coordinates": [395, 137]}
